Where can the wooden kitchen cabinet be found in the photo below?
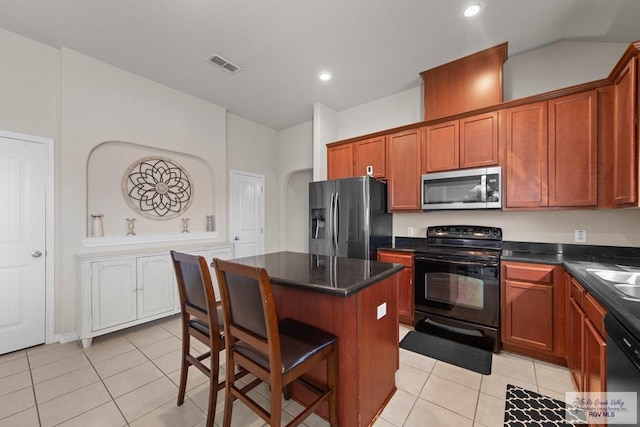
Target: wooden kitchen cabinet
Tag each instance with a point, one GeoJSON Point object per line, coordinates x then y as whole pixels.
{"type": "Point", "coordinates": [371, 152]}
{"type": "Point", "coordinates": [573, 150]}
{"type": "Point", "coordinates": [461, 144]}
{"type": "Point", "coordinates": [586, 343]}
{"type": "Point", "coordinates": [406, 294]}
{"type": "Point", "coordinates": [403, 173]}
{"type": "Point", "coordinates": [625, 168]}
{"type": "Point", "coordinates": [552, 153]}
{"type": "Point", "coordinates": [340, 161]}
{"type": "Point", "coordinates": [479, 140]}
{"type": "Point", "coordinates": [525, 133]}
{"type": "Point", "coordinates": [533, 314]}
{"type": "Point", "coordinates": [441, 147]}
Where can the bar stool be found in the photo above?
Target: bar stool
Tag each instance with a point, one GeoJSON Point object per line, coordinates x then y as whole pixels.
{"type": "Point", "coordinates": [276, 352]}
{"type": "Point", "coordinates": [201, 319]}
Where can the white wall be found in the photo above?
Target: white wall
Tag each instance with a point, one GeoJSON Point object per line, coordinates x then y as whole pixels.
{"type": "Point", "coordinates": [400, 109]}
{"type": "Point", "coordinates": [295, 168]}
{"type": "Point", "coordinates": [559, 65]}
{"type": "Point", "coordinates": [253, 148]}
{"type": "Point", "coordinates": [103, 103]}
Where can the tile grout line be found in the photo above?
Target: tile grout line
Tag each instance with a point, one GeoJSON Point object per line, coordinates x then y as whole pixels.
{"type": "Point", "coordinates": [33, 388]}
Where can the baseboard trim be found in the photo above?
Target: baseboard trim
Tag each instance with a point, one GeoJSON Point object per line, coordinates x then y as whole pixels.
{"type": "Point", "coordinates": [65, 338]}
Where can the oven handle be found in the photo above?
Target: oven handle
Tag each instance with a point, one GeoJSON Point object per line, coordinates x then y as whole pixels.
{"type": "Point", "coordinates": [448, 261]}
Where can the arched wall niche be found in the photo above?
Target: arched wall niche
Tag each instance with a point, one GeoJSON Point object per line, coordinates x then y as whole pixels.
{"type": "Point", "coordinates": [296, 213]}
{"type": "Point", "coordinates": [106, 165]}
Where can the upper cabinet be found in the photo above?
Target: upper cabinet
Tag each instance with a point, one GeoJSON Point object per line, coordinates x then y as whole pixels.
{"type": "Point", "coordinates": [340, 161]}
{"type": "Point", "coordinates": [371, 153]}
{"type": "Point", "coordinates": [573, 150]}
{"type": "Point", "coordinates": [460, 144]}
{"type": "Point", "coordinates": [575, 147]}
{"type": "Point", "coordinates": [403, 183]}
{"type": "Point", "coordinates": [466, 84]}
{"type": "Point", "coordinates": [525, 137]}
{"type": "Point", "coordinates": [552, 152]}
{"type": "Point", "coordinates": [625, 105]}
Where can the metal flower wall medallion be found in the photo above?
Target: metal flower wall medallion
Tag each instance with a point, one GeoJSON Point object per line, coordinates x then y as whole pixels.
{"type": "Point", "coordinates": [157, 188]}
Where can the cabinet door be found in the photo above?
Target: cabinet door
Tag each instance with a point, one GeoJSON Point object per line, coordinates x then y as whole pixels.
{"type": "Point", "coordinates": [625, 172]}
{"type": "Point", "coordinates": [403, 174]}
{"type": "Point", "coordinates": [156, 285]}
{"type": "Point", "coordinates": [595, 354]}
{"type": "Point", "coordinates": [575, 343]}
{"type": "Point", "coordinates": [406, 295]}
{"type": "Point", "coordinates": [528, 315]}
{"type": "Point", "coordinates": [441, 147]}
{"type": "Point", "coordinates": [340, 161]}
{"type": "Point", "coordinates": [479, 141]}
{"type": "Point", "coordinates": [113, 293]}
{"type": "Point", "coordinates": [573, 150]}
{"type": "Point", "coordinates": [371, 152]}
{"type": "Point", "coordinates": [526, 151]}
{"type": "Point", "coordinates": [222, 253]}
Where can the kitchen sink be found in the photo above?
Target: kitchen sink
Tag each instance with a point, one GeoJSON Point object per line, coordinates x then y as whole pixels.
{"type": "Point", "coordinates": [625, 282]}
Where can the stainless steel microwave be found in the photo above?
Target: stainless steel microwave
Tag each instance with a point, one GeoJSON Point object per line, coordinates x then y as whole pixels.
{"type": "Point", "coordinates": [479, 188]}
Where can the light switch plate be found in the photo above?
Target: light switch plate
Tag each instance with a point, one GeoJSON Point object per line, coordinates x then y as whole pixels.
{"type": "Point", "coordinates": [382, 310]}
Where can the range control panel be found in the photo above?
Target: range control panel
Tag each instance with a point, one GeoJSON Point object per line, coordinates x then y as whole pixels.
{"type": "Point", "coordinates": [465, 232]}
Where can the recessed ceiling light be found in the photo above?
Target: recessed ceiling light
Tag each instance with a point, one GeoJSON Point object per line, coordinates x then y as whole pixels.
{"type": "Point", "coordinates": [472, 10]}
{"type": "Point", "coordinates": [324, 76]}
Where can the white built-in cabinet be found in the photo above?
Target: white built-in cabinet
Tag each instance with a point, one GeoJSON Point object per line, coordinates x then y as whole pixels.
{"type": "Point", "coordinates": [120, 290]}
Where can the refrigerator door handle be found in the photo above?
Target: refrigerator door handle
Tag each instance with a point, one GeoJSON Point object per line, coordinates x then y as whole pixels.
{"type": "Point", "coordinates": [335, 222]}
{"type": "Point", "coordinates": [331, 220]}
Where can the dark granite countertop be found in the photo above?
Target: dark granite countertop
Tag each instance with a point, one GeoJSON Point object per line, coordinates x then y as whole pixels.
{"type": "Point", "coordinates": [321, 273]}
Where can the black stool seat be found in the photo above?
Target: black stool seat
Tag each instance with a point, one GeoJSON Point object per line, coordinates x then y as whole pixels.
{"type": "Point", "coordinates": [298, 342]}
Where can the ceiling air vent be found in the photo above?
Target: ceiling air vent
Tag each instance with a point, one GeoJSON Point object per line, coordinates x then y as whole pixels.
{"type": "Point", "coordinates": [219, 61]}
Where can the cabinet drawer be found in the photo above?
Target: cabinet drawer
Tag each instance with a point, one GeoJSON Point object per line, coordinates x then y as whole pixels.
{"type": "Point", "coordinates": [595, 312]}
{"type": "Point", "coordinates": [398, 258]}
{"type": "Point", "coordinates": [577, 292]}
{"type": "Point", "coordinates": [529, 273]}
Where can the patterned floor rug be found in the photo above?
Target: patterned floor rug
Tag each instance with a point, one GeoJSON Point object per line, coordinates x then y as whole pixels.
{"type": "Point", "coordinates": [526, 408]}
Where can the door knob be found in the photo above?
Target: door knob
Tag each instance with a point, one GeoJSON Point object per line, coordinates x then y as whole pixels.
{"type": "Point", "coordinates": [236, 238]}
{"type": "Point", "coordinates": [36, 254]}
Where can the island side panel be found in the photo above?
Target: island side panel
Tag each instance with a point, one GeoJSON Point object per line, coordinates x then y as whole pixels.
{"type": "Point", "coordinates": [337, 315]}
{"type": "Point", "coordinates": [378, 343]}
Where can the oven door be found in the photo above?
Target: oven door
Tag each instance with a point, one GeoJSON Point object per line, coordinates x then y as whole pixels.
{"type": "Point", "coordinates": [467, 290]}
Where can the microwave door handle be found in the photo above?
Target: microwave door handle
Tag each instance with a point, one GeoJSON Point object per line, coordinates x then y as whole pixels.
{"type": "Point", "coordinates": [483, 188]}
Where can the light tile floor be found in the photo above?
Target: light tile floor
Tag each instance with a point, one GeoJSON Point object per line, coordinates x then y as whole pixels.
{"type": "Point", "coordinates": [130, 378]}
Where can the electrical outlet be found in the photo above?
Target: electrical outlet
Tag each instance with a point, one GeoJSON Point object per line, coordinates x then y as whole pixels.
{"type": "Point", "coordinates": [580, 236]}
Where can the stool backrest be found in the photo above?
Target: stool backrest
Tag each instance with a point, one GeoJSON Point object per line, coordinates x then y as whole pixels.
{"type": "Point", "coordinates": [249, 307]}
{"type": "Point", "coordinates": [197, 297]}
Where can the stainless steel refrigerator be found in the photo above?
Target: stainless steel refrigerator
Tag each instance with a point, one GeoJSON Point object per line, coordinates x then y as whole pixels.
{"type": "Point", "coordinates": [348, 217]}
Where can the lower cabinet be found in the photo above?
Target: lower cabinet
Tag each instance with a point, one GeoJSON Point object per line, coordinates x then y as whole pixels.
{"type": "Point", "coordinates": [117, 291]}
{"type": "Point", "coordinates": [586, 338]}
{"type": "Point", "coordinates": [406, 295]}
{"type": "Point", "coordinates": [533, 303]}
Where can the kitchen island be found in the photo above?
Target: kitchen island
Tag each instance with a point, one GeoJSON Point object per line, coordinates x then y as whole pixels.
{"type": "Point", "coordinates": [354, 299]}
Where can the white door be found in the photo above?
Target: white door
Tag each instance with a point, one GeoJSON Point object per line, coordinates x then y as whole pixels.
{"type": "Point", "coordinates": [23, 167]}
{"type": "Point", "coordinates": [247, 214]}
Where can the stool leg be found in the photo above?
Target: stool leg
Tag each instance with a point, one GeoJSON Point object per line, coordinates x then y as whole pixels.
{"type": "Point", "coordinates": [185, 365]}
